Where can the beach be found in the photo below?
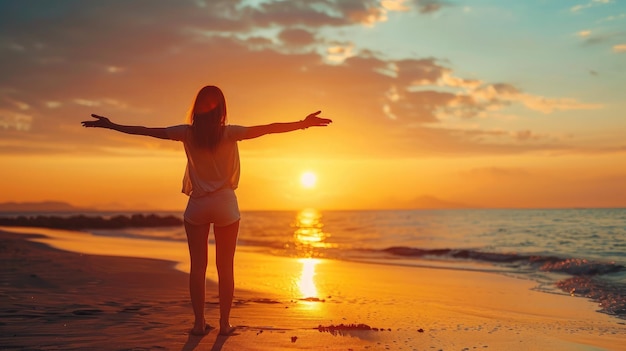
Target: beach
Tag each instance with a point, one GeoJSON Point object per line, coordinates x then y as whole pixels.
{"type": "Point", "coordinates": [66, 294]}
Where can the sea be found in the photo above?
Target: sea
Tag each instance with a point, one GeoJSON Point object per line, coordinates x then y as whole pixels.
{"type": "Point", "coordinates": [579, 252]}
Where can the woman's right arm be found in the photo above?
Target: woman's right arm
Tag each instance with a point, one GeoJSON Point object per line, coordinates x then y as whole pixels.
{"type": "Point", "coordinates": [103, 122]}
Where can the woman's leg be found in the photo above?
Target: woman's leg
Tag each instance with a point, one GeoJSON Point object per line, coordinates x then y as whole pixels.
{"type": "Point", "coordinates": [225, 244]}
{"type": "Point", "coordinates": [197, 239]}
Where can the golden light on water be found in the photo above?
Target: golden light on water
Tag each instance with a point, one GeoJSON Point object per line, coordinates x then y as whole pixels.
{"type": "Point", "coordinates": [309, 233]}
{"type": "Point", "coordinates": [309, 239]}
{"type": "Point", "coordinates": [306, 283]}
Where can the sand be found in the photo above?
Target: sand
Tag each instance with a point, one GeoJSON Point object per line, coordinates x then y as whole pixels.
{"type": "Point", "coordinates": [87, 296]}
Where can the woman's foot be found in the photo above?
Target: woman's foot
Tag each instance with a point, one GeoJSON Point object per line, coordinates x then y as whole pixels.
{"type": "Point", "coordinates": [227, 329]}
{"type": "Point", "coordinates": [201, 330]}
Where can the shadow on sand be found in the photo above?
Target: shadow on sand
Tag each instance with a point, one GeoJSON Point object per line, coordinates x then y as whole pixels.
{"type": "Point", "coordinates": [194, 340]}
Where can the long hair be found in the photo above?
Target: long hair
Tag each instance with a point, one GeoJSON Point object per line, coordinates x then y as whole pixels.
{"type": "Point", "coordinates": [208, 117]}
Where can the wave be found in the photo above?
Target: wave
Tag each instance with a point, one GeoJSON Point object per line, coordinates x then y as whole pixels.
{"type": "Point", "coordinates": [572, 266]}
{"type": "Point", "coordinates": [587, 278]}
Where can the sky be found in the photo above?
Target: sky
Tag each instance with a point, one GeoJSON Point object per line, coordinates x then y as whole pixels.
{"type": "Point", "coordinates": [490, 104]}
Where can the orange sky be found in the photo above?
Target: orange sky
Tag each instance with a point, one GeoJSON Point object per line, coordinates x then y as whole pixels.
{"type": "Point", "coordinates": [431, 108]}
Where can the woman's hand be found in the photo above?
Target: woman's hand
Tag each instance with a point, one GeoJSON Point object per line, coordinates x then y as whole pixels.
{"type": "Point", "coordinates": [313, 120]}
{"type": "Point", "coordinates": [100, 122]}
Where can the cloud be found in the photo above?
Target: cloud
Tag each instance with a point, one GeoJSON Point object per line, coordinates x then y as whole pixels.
{"type": "Point", "coordinates": [15, 120]}
{"type": "Point", "coordinates": [394, 5]}
{"type": "Point", "coordinates": [548, 105]}
{"type": "Point", "coordinates": [594, 39]}
{"type": "Point", "coordinates": [619, 48]}
{"type": "Point", "coordinates": [524, 135]}
{"type": "Point", "coordinates": [496, 172]}
{"type": "Point", "coordinates": [296, 37]}
{"type": "Point", "coordinates": [495, 96]}
{"type": "Point", "coordinates": [118, 27]}
{"type": "Point", "coordinates": [141, 67]}
{"type": "Point", "coordinates": [429, 6]}
{"type": "Point", "coordinates": [614, 18]}
{"type": "Point", "coordinates": [416, 91]}
{"type": "Point", "coordinates": [469, 98]}
{"type": "Point", "coordinates": [592, 3]}
{"type": "Point", "coordinates": [333, 13]}
{"type": "Point", "coordinates": [422, 6]}
{"type": "Point", "coordinates": [369, 16]}
{"type": "Point", "coordinates": [338, 52]}
{"type": "Point", "coordinates": [584, 33]}
{"type": "Point", "coordinates": [433, 140]}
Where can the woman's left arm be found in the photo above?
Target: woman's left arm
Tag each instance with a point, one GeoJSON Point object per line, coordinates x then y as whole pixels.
{"type": "Point", "coordinates": [312, 120]}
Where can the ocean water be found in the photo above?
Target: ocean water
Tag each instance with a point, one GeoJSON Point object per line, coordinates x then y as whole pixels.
{"type": "Point", "coordinates": [580, 252]}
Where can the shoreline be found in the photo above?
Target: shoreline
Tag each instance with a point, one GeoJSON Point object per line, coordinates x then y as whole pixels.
{"type": "Point", "coordinates": [84, 300]}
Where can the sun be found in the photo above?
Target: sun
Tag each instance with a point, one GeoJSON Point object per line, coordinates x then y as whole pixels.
{"type": "Point", "coordinates": [308, 179]}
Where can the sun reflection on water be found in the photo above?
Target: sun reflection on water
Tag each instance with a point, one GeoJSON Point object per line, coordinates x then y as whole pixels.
{"type": "Point", "coordinates": [306, 283]}
{"type": "Point", "coordinates": [309, 238]}
{"type": "Point", "coordinates": [309, 235]}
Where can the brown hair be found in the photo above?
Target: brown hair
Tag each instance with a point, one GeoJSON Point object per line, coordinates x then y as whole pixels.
{"type": "Point", "coordinates": [208, 117]}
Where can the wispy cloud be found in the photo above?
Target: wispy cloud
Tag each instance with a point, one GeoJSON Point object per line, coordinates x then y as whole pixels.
{"type": "Point", "coordinates": [611, 18]}
{"type": "Point", "coordinates": [15, 120]}
{"type": "Point", "coordinates": [429, 6]}
{"type": "Point", "coordinates": [592, 3]}
{"type": "Point", "coordinates": [600, 38]}
{"type": "Point", "coordinates": [496, 172]}
{"type": "Point", "coordinates": [338, 52]}
{"type": "Point", "coordinates": [394, 5]}
{"type": "Point", "coordinates": [619, 48]}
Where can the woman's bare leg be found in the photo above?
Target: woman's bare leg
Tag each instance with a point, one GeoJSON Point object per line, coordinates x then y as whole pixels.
{"type": "Point", "coordinates": [197, 239]}
{"type": "Point", "coordinates": [225, 244]}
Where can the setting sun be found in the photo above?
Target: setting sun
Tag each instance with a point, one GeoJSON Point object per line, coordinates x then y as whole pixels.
{"type": "Point", "coordinates": [308, 179]}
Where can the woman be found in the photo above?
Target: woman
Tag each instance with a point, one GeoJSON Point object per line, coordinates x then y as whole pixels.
{"type": "Point", "coordinates": [210, 179]}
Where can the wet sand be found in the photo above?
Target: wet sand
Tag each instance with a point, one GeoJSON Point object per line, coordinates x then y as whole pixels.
{"type": "Point", "coordinates": [88, 298]}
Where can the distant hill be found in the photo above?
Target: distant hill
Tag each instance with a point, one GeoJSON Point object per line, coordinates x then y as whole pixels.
{"type": "Point", "coordinates": [44, 206]}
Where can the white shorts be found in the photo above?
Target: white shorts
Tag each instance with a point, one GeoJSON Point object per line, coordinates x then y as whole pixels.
{"type": "Point", "coordinates": [219, 207]}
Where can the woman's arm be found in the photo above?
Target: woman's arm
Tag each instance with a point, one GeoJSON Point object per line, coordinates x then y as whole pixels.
{"type": "Point", "coordinates": [311, 120]}
{"type": "Point", "coordinates": [103, 122]}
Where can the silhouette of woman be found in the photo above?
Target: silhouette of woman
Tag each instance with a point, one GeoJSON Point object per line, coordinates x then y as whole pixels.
{"type": "Point", "coordinates": [211, 177]}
